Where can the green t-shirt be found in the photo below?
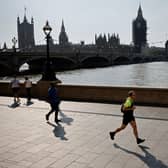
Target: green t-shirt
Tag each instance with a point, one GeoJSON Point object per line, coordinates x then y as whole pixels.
{"type": "Point", "coordinates": [128, 103]}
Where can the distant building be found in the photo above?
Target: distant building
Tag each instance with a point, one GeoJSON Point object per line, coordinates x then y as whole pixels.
{"type": "Point", "coordinates": [110, 41]}
{"type": "Point", "coordinates": [104, 42]}
{"type": "Point", "coordinates": [139, 31]}
{"type": "Point", "coordinates": [166, 47]}
{"type": "Point", "coordinates": [5, 46]}
{"type": "Point", "coordinates": [63, 38]}
{"type": "Point", "coordinates": [25, 33]}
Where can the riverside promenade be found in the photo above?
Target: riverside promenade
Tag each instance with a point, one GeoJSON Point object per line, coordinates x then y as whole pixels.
{"type": "Point", "coordinates": [82, 139]}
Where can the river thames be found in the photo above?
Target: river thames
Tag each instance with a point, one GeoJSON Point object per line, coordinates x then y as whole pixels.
{"type": "Point", "coordinates": [153, 74]}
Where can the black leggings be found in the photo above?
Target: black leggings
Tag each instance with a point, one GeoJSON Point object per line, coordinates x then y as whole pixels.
{"type": "Point", "coordinates": [54, 108]}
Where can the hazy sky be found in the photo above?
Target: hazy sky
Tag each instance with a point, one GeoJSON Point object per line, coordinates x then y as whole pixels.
{"type": "Point", "coordinates": [84, 18]}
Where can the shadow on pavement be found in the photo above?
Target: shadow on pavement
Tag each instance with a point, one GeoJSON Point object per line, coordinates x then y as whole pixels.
{"type": "Point", "coordinates": [150, 160]}
{"type": "Point", "coordinates": [58, 131]}
{"type": "Point", "coordinates": [65, 118]}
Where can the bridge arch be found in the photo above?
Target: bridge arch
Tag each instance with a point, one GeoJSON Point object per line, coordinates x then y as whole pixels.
{"type": "Point", "coordinates": [5, 69]}
{"type": "Point", "coordinates": [121, 60]}
{"type": "Point", "coordinates": [137, 60]}
{"type": "Point", "coordinates": [35, 64]}
{"type": "Point", "coordinates": [63, 63]}
{"type": "Point", "coordinates": [94, 61]}
{"type": "Point", "coordinates": [58, 63]}
{"type": "Point", "coordinates": [24, 67]}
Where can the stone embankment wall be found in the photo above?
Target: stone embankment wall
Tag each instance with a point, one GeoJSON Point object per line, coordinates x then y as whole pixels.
{"type": "Point", "coordinates": [104, 94]}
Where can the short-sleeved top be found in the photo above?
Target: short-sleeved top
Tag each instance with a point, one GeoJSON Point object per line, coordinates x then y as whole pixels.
{"type": "Point", "coordinates": [53, 95]}
{"type": "Point", "coordinates": [128, 104]}
{"type": "Point", "coordinates": [15, 83]}
{"type": "Point", "coordinates": [28, 84]}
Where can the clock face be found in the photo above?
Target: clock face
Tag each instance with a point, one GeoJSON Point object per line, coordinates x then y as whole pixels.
{"type": "Point", "coordinates": [138, 24]}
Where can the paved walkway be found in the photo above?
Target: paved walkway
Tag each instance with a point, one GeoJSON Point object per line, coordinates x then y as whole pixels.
{"type": "Point", "coordinates": [82, 138]}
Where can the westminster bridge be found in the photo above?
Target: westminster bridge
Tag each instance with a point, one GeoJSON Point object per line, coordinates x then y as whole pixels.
{"type": "Point", "coordinates": [11, 61]}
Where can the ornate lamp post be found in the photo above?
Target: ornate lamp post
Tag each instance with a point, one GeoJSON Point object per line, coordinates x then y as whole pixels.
{"type": "Point", "coordinates": [14, 41]}
{"type": "Point", "coordinates": [48, 74]}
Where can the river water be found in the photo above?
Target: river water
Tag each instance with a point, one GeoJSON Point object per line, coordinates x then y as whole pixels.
{"type": "Point", "coordinates": [153, 74]}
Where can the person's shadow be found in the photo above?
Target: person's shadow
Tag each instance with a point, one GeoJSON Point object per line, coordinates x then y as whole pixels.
{"type": "Point", "coordinates": [58, 131]}
{"type": "Point", "coordinates": [150, 160]}
{"type": "Point", "coordinates": [65, 118]}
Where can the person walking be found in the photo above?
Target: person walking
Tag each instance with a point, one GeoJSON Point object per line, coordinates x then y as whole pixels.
{"type": "Point", "coordinates": [28, 86]}
{"type": "Point", "coordinates": [128, 117]}
{"type": "Point", "coordinates": [15, 85]}
{"type": "Point", "coordinates": [54, 100]}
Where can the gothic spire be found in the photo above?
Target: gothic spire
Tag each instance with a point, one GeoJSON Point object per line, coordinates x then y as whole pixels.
{"type": "Point", "coordinates": [140, 15]}
{"type": "Point", "coordinates": [18, 20]}
{"type": "Point", "coordinates": [25, 19]}
{"type": "Point", "coordinates": [4, 46]}
{"type": "Point", "coordinates": [62, 26]}
{"type": "Point", "coordinates": [63, 38]}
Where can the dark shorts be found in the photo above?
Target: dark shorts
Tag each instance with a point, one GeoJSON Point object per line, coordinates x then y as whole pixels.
{"type": "Point", "coordinates": [127, 119]}
{"type": "Point", "coordinates": [15, 91]}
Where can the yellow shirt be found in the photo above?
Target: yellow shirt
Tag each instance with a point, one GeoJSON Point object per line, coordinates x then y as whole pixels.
{"type": "Point", "coordinates": [128, 103]}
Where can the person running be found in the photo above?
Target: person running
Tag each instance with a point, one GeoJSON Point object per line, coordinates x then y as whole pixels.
{"type": "Point", "coordinates": [15, 85]}
{"type": "Point", "coordinates": [54, 101]}
{"type": "Point", "coordinates": [128, 117]}
{"type": "Point", "coordinates": [28, 86]}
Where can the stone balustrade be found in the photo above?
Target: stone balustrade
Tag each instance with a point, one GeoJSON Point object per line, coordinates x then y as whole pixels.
{"type": "Point", "coordinates": [104, 94]}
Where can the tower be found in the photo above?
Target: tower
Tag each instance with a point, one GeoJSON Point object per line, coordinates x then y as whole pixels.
{"type": "Point", "coordinates": [63, 38]}
{"type": "Point", "coordinates": [166, 47]}
{"type": "Point", "coordinates": [139, 31]}
{"type": "Point", "coordinates": [25, 33]}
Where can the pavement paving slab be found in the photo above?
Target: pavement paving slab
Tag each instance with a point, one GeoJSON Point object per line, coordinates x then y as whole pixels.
{"type": "Point", "coordinates": [82, 139]}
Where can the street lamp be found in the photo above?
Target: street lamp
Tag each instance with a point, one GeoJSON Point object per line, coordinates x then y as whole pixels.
{"type": "Point", "coordinates": [15, 69]}
{"type": "Point", "coordinates": [48, 74]}
{"type": "Point", "coordinates": [14, 41]}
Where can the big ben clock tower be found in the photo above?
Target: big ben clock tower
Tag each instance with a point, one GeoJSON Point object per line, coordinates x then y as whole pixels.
{"type": "Point", "coordinates": [139, 31]}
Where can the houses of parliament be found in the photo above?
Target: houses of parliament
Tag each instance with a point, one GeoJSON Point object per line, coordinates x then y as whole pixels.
{"type": "Point", "coordinates": [26, 40]}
